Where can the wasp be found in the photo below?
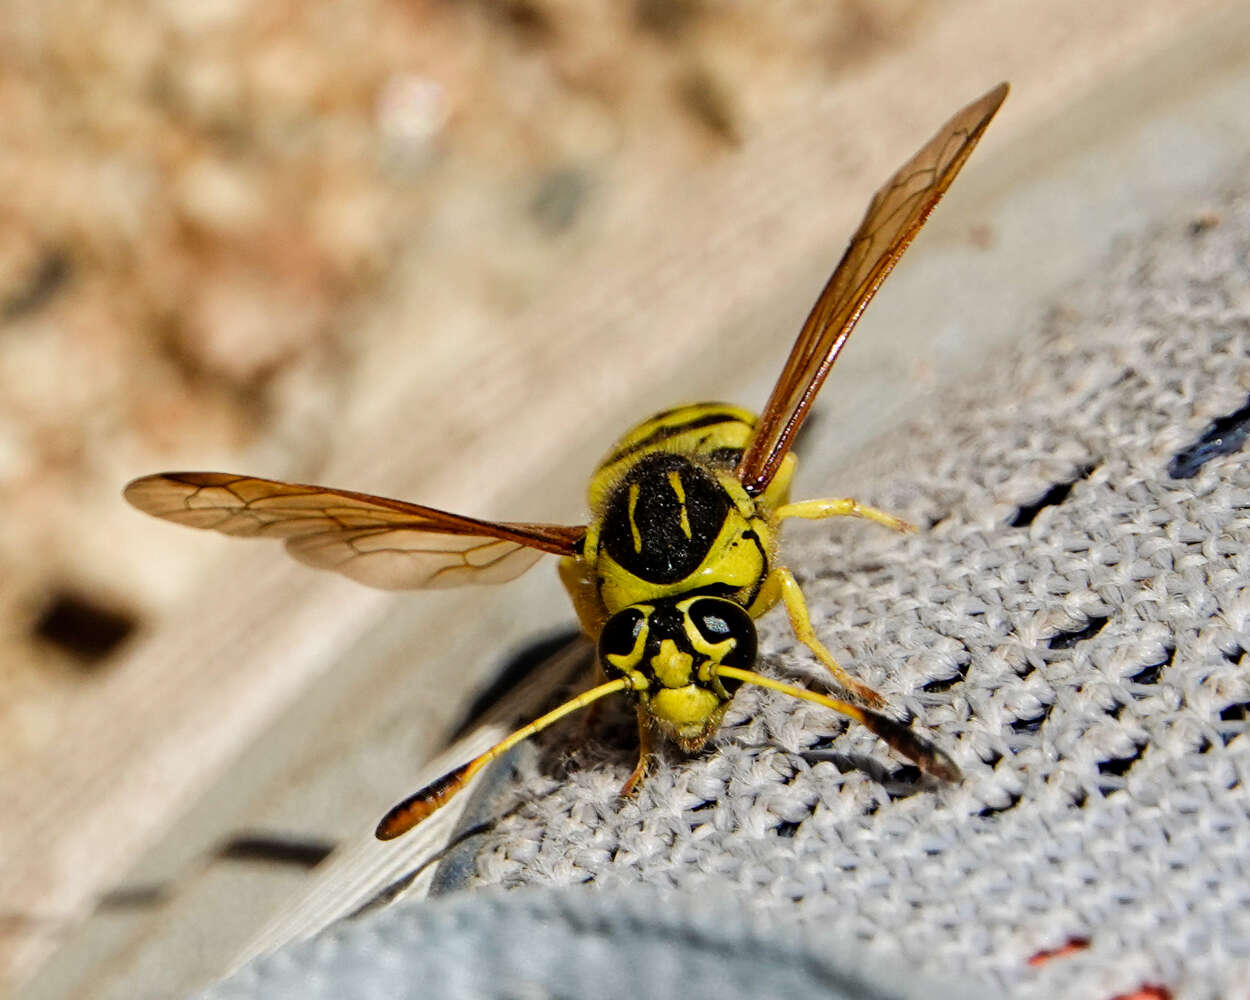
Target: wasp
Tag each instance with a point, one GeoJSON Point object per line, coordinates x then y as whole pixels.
{"type": "Point", "coordinates": [680, 553]}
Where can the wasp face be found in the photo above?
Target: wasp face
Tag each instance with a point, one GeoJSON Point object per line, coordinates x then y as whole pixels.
{"type": "Point", "coordinates": [671, 650]}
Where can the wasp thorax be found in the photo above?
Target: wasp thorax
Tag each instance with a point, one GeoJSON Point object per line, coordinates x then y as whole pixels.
{"type": "Point", "coordinates": [671, 650]}
{"type": "Point", "coordinates": [663, 518]}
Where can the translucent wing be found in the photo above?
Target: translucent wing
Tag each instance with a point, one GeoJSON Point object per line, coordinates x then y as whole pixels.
{"type": "Point", "coordinates": [379, 542]}
{"type": "Point", "coordinates": [894, 216]}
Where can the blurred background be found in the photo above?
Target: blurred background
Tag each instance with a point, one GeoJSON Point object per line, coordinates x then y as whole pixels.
{"type": "Point", "coordinates": [448, 251]}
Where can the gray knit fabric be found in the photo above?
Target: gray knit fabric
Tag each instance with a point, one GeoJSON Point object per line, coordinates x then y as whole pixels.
{"type": "Point", "coordinates": [1072, 628]}
{"type": "Point", "coordinates": [1086, 669]}
{"type": "Point", "coordinates": [573, 945]}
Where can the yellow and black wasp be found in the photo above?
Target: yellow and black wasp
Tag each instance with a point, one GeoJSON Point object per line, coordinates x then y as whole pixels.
{"type": "Point", "coordinates": [680, 554]}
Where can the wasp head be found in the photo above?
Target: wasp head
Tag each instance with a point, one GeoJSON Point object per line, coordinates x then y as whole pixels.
{"type": "Point", "coordinates": [671, 650]}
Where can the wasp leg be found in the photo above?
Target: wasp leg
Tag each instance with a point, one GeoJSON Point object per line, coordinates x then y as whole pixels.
{"type": "Point", "coordinates": [646, 746]}
{"type": "Point", "coordinates": [796, 608]}
{"type": "Point", "coordinates": [844, 507]}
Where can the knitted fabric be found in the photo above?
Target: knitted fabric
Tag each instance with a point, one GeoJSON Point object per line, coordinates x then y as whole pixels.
{"type": "Point", "coordinates": [559, 944]}
{"type": "Point", "coordinates": [1071, 627]}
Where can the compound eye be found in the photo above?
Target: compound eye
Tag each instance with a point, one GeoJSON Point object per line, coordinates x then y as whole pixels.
{"type": "Point", "coordinates": [716, 620]}
{"type": "Point", "coordinates": [619, 638]}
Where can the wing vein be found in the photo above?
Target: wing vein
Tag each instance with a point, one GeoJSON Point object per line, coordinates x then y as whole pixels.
{"type": "Point", "coordinates": [378, 541]}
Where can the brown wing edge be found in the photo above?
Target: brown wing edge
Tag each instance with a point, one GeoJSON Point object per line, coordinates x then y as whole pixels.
{"type": "Point", "coordinates": [836, 312]}
{"type": "Point", "coordinates": [144, 492]}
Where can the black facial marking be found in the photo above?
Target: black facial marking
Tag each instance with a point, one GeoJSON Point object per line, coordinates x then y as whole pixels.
{"type": "Point", "coordinates": [663, 621]}
{"type": "Point", "coordinates": [718, 620]}
{"type": "Point", "coordinates": [666, 623]}
{"type": "Point", "coordinates": [668, 546]}
{"type": "Point", "coordinates": [620, 633]}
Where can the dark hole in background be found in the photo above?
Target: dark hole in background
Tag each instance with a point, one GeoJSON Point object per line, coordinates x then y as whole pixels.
{"type": "Point", "coordinates": [529, 20]}
{"type": "Point", "coordinates": [1066, 640]}
{"type": "Point", "coordinates": [134, 897]}
{"type": "Point", "coordinates": [1057, 494]}
{"type": "Point", "coordinates": [48, 278]}
{"type": "Point", "coordinates": [87, 630]}
{"type": "Point", "coordinates": [1223, 436]}
{"type": "Point", "coordinates": [298, 852]}
{"type": "Point", "coordinates": [709, 103]}
{"type": "Point", "coordinates": [301, 852]}
{"type": "Point", "coordinates": [560, 197]}
{"type": "Point", "coordinates": [667, 19]}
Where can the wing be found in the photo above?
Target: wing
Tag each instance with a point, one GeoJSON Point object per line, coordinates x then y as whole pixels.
{"type": "Point", "coordinates": [383, 543]}
{"type": "Point", "coordinates": [894, 216]}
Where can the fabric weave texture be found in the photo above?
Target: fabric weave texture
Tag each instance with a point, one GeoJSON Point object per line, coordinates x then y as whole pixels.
{"type": "Point", "coordinates": [1071, 625]}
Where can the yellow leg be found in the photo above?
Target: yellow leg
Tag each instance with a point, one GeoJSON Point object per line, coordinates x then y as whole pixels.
{"type": "Point", "coordinates": [844, 507]}
{"type": "Point", "coordinates": [646, 746]}
{"type": "Point", "coordinates": [796, 608]}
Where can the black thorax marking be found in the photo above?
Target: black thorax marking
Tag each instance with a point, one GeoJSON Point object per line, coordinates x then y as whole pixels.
{"type": "Point", "coordinates": [663, 517]}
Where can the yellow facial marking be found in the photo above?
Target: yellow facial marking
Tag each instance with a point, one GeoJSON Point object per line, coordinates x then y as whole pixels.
{"type": "Point", "coordinates": [686, 711]}
{"type": "Point", "coordinates": [626, 663]}
{"type": "Point", "coordinates": [633, 524]}
{"type": "Point", "coordinates": [671, 666]}
{"type": "Point", "coordinates": [674, 480]}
